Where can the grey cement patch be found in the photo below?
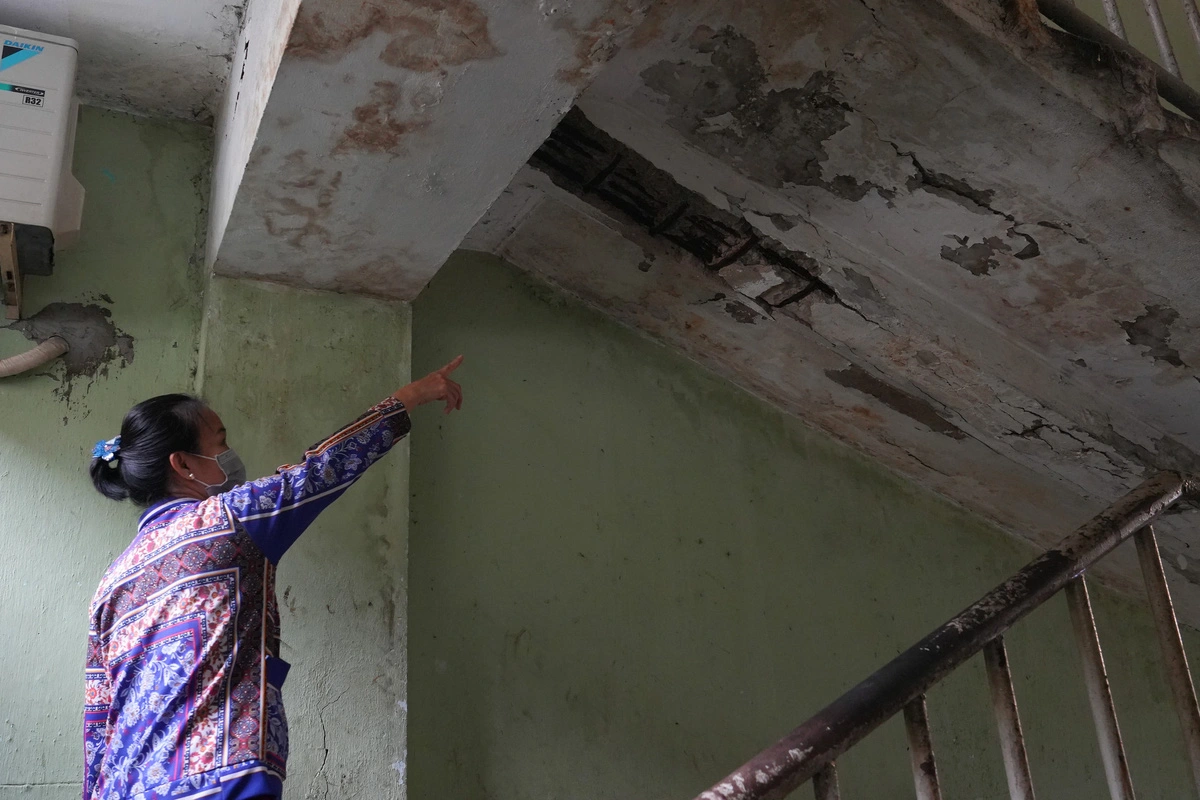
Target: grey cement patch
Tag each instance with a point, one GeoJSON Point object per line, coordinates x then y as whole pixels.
{"type": "Point", "coordinates": [94, 340]}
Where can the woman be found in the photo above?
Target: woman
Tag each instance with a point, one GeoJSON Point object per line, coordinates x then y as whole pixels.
{"type": "Point", "coordinates": [183, 667]}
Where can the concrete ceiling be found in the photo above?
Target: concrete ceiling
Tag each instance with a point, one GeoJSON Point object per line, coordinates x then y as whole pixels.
{"type": "Point", "coordinates": [146, 56]}
{"type": "Point", "coordinates": [938, 230]}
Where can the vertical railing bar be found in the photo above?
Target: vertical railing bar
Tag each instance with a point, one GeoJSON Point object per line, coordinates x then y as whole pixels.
{"type": "Point", "coordinates": [1115, 23]}
{"type": "Point", "coordinates": [920, 747]}
{"type": "Point", "coordinates": [1008, 720]}
{"type": "Point", "coordinates": [1108, 732]}
{"type": "Point", "coordinates": [1193, 18]}
{"type": "Point", "coordinates": [1174, 657]}
{"type": "Point", "coordinates": [825, 783]}
{"type": "Point", "coordinates": [1161, 37]}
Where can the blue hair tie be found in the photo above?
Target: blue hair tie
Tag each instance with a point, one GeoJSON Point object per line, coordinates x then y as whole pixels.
{"type": "Point", "coordinates": [107, 451]}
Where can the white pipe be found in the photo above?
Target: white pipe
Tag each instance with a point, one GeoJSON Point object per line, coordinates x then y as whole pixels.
{"type": "Point", "coordinates": [33, 358]}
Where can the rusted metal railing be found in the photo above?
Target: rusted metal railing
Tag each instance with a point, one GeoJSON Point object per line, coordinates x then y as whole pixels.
{"type": "Point", "coordinates": [809, 751]}
{"type": "Point", "coordinates": [1171, 85]}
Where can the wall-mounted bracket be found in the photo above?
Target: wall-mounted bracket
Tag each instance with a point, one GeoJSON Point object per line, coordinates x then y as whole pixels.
{"type": "Point", "coordinates": [10, 272]}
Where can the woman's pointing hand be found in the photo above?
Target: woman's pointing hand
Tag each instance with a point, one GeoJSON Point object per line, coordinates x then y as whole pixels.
{"type": "Point", "coordinates": [437, 385]}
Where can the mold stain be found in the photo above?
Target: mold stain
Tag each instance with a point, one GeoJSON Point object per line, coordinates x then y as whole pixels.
{"type": "Point", "coordinates": [376, 128]}
{"type": "Point", "coordinates": [722, 103]}
{"type": "Point", "coordinates": [425, 35]}
{"type": "Point", "coordinates": [741, 313]}
{"type": "Point", "coordinates": [1068, 283]}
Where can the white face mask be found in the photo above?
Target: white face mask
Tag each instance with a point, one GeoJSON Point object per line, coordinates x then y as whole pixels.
{"type": "Point", "coordinates": [230, 464]}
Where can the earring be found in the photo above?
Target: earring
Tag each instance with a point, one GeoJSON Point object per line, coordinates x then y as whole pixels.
{"type": "Point", "coordinates": [191, 476]}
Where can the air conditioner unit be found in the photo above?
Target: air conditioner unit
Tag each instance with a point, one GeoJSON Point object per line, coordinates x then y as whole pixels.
{"type": "Point", "coordinates": [41, 203]}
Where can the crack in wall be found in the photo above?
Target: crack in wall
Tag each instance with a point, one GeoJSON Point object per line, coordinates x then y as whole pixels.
{"type": "Point", "coordinates": [1034, 431]}
{"type": "Point", "coordinates": [325, 741]}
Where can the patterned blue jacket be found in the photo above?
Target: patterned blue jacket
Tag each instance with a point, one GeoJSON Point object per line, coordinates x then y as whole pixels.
{"type": "Point", "coordinates": [183, 670]}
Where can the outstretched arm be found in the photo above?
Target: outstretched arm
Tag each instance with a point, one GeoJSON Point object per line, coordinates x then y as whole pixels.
{"type": "Point", "coordinates": [277, 509]}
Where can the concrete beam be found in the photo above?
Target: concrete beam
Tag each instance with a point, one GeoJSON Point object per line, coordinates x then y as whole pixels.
{"type": "Point", "coordinates": [389, 129]}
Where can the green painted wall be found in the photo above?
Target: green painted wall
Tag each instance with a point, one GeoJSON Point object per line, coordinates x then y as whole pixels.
{"type": "Point", "coordinates": [285, 368]}
{"type": "Point", "coordinates": [628, 576]}
{"type": "Point", "coordinates": [139, 246]}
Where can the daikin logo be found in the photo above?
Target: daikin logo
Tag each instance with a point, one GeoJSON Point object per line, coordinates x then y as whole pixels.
{"type": "Point", "coordinates": [15, 52]}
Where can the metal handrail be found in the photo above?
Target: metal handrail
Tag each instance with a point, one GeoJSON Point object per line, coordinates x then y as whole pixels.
{"type": "Point", "coordinates": [1173, 89]}
{"type": "Point", "coordinates": [811, 749]}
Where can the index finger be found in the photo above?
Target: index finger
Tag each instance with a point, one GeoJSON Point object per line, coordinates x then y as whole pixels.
{"type": "Point", "coordinates": [453, 365]}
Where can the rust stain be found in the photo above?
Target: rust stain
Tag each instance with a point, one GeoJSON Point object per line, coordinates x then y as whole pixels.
{"type": "Point", "coordinates": [426, 35]}
{"type": "Point", "coordinates": [651, 29]}
{"type": "Point", "coordinates": [376, 128]}
{"type": "Point", "coordinates": [595, 42]}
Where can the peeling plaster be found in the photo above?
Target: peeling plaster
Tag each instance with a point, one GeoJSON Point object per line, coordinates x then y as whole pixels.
{"type": "Point", "coordinates": [589, 163]}
{"type": "Point", "coordinates": [405, 138]}
{"type": "Point", "coordinates": [1152, 330]}
{"type": "Point", "coordinates": [722, 103]}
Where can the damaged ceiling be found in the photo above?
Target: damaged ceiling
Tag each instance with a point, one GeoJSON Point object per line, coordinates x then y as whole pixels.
{"type": "Point", "coordinates": [940, 231]}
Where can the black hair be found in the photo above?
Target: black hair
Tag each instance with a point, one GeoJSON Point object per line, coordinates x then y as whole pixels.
{"type": "Point", "coordinates": [151, 432]}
